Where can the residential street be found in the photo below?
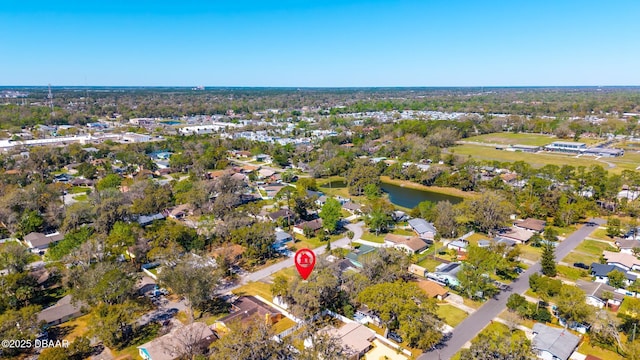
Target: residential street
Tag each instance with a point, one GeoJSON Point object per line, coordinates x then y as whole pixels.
{"type": "Point", "coordinates": [261, 274]}
{"type": "Point", "coordinates": [472, 325]}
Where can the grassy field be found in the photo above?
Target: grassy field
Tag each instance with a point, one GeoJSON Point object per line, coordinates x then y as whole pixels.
{"type": "Point", "coordinates": [283, 325]}
{"type": "Point", "coordinates": [572, 273]}
{"type": "Point", "coordinates": [530, 252]}
{"type": "Point", "coordinates": [594, 247]}
{"type": "Point", "coordinates": [536, 160]}
{"type": "Point", "coordinates": [507, 138]}
{"type": "Point", "coordinates": [451, 314]}
{"type": "Point", "coordinates": [79, 190]}
{"type": "Point", "coordinates": [575, 257]}
{"type": "Point", "coordinates": [600, 234]}
{"type": "Point", "coordinates": [255, 288]}
{"type": "Point", "coordinates": [514, 139]}
{"type": "Point", "coordinates": [429, 263]}
{"type": "Point", "coordinates": [587, 348]}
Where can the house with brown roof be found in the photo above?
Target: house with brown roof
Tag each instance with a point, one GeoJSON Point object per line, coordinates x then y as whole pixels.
{"type": "Point", "coordinates": [531, 224]}
{"type": "Point", "coordinates": [313, 225]}
{"type": "Point", "coordinates": [285, 214]}
{"type": "Point", "coordinates": [247, 308]}
{"type": "Point", "coordinates": [408, 244]}
{"type": "Point", "coordinates": [178, 343]}
{"type": "Point", "coordinates": [519, 235]}
{"type": "Point", "coordinates": [433, 289]}
{"type": "Point", "coordinates": [626, 261]}
{"type": "Point", "coordinates": [179, 211]}
{"type": "Point", "coordinates": [38, 241]}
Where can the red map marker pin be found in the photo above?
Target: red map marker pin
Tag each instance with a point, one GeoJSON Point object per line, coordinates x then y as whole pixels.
{"type": "Point", "coordinates": [305, 260]}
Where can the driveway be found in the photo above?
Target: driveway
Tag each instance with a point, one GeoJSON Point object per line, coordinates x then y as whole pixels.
{"type": "Point", "coordinates": [474, 323]}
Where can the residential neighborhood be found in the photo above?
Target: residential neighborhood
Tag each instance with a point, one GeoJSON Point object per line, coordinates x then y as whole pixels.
{"type": "Point", "coordinates": [171, 237]}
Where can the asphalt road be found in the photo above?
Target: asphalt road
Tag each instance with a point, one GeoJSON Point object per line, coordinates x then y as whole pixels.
{"type": "Point", "coordinates": [472, 325]}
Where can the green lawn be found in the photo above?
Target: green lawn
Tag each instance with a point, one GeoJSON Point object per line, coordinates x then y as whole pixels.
{"type": "Point", "coordinates": [514, 139]}
{"type": "Point", "coordinates": [572, 273]}
{"type": "Point", "coordinates": [473, 239]}
{"type": "Point", "coordinates": [372, 237]}
{"type": "Point", "coordinates": [600, 234]}
{"type": "Point", "coordinates": [530, 253]}
{"type": "Point", "coordinates": [594, 247]}
{"type": "Point", "coordinates": [79, 190]}
{"type": "Point", "coordinates": [574, 257]}
{"type": "Point", "coordinates": [451, 314]}
{"type": "Point", "coordinates": [283, 325]}
{"type": "Point", "coordinates": [537, 160]}
{"type": "Point", "coordinates": [587, 348]}
{"type": "Point", "coordinates": [255, 288]}
{"type": "Point", "coordinates": [429, 263]}
{"type": "Point", "coordinates": [82, 197]}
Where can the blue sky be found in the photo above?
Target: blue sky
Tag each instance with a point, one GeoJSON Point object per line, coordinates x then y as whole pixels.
{"type": "Point", "coordinates": [320, 43]}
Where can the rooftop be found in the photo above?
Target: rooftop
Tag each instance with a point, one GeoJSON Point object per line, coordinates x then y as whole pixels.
{"type": "Point", "coordinates": [559, 342]}
{"type": "Point", "coordinates": [421, 226]}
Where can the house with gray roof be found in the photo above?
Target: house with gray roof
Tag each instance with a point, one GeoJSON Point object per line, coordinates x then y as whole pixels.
{"type": "Point", "coordinates": [39, 241]}
{"type": "Point", "coordinates": [178, 343]}
{"type": "Point", "coordinates": [63, 311]}
{"type": "Point", "coordinates": [601, 272]}
{"type": "Point", "coordinates": [600, 294]}
{"type": "Point", "coordinates": [424, 229]}
{"type": "Point", "coordinates": [553, 343]}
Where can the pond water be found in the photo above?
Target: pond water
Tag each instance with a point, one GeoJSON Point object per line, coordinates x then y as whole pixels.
{"type": "Point", "coordinates": [410, 198]}
{"type": "Point", "coordinates": [403, 196]}
{"type": "Point", "coordinates": [335, 184]}
{"type": "Point", "coordinates": [171, 122]}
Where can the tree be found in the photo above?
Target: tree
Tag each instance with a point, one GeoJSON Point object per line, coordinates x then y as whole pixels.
{"type": "Point", "coordinates": [280, 286]}
{"type": "Point", "coordinates": [350, 235]}
{"type": "Point", "coordinates": [121, 237]}
{"type": "Point", "coordinates": [403, 307]}
{"type": "Point", "coordinates": [445, 219]}
{"type": "Point", "coordinates": [321, 291]}
{"type": "Point", "coordinates": [111, 181]}
{"type": "Point", "coordinates": [572, 305]}
{"type": "Point", "coordinates": [503, 345]}
{"type": "Point", "coordinates": [490, 211]}
{"type": "Point", "coordinates": [613, 227]}
{"type": "Point", "coordinates": [31, 221]}
{"type": "Point", "coordinates": [113, 323]}
{"type": "Point", "coordinates": [77, 214]}
{"type": "Point", "coordinates": [372, 191]}
{"type": "Point", "coordinates": [617, 279]}
{"type": "Point", "coordinates": [604, 329]}
{"type": "Point", "coordinates": [331, 214]}
{"type": "Point", "coordinates": [20, 324]}
{"type": "Point", "coordinates": [251, 341]}
{"type": "Point", "coordinates": [194, 278]}
{"type": "Point", "coordinates": [361, 175]}
{"type": "Point", "coordinates": [14, 257]}
{"type": "Point", "coordinates": [548, 260]}
{"type": "Point", "coordinates": [103, 282]}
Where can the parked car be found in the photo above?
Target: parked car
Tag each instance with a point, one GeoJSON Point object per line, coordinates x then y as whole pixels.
{"type": "Point", "coordinates": [581, 265]}
{"type": "Point", "coordinates": [395, 337]}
